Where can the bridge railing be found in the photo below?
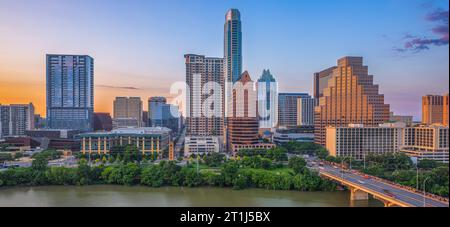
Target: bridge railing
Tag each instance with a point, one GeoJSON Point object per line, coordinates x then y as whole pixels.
{"type": "Point", "coordinates": [427, 194]}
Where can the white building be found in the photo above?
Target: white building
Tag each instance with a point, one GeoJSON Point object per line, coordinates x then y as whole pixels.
{"type": "Point", "coordinates": [357, 141]}
{"type": "Point", "coordinates": [427, 142]}
{"type": "Point", "coordinates": [201, 144]}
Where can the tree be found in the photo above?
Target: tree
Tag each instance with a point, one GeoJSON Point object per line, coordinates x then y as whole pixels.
{"type": "Point", "coordinates": [297, 164]}
{"type": "Point", "coordinates": [427, 164]}
{"type": "Point", "coordinates": [39, 163]}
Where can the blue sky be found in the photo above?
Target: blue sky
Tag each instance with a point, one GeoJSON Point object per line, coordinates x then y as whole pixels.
{"type": "Point", "coordinates": [140, 43]}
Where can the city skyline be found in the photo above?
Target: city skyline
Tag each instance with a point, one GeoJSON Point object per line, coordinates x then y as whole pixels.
{"type": "Point", "coordinates": [128, 64]}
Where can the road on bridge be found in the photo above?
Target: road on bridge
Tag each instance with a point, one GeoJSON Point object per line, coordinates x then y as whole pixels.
{"type": "Point", "coordinates": [403, 195]}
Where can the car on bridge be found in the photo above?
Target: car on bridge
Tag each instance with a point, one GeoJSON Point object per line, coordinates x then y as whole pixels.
{"type": "Point", "coordinates": [388, 193]}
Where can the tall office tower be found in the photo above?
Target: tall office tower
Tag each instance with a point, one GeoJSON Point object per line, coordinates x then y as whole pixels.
{"type": "Point", "coordinates": [288, 108]}
{"type": "Point", "coordinates": [162, 114]}
{"type": "Point", "coordinates": [243, 121]}
{"type": "Point", "coordinates": [128, 110]}
{"type": "Point", "coordinates": [350, 98]}
{"type": "Point", "coordinates": [445, 111]}
{"type": "Point", "coordinates": [15, 119]}
{"type": "Point", "coordinates": [155, 111]}
{"type": "Point", "coordinates": [305, 111]}
{"type": "Point", "coordinates": [321, 82]}
{"type": "Point", "coordinates": [202, 75]}
{"type": "Point", "coordinates": [267, 100]}
{"type": "Point", "coordinates": [435, 109]}
{"type": "Point", "coordinates": [70, 92]}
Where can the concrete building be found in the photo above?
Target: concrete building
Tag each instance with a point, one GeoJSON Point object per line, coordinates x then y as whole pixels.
{"type": "Point", "coordinates": [127, 108]}
{"type": "Point", "coordinates": [201, 145]}
{"type": "Point", "coordinates": [70, 92]}
{"type": "Point", "coordinates": [288, 108]}
{"type": "Point", "coordinates": [15, 119]}
{"type": "Point", "coordinates": [357, 141]}
{"type": "Point", "coordinates": [427, 142]}
{"type": "Point", "coordinates": [147, 140]}
{"type": "Point", "coordinates": [305, 111]}
{"type": "Point", "coordinates": [349, 98]}
{"type": "Point", "coordinates": [267, 89]}
{"type": "Point", "coordinates": [204, 72]}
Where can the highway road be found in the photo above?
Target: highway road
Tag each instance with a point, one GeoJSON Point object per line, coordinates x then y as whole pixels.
{"type": "Point", "coordinates": [401, 194]}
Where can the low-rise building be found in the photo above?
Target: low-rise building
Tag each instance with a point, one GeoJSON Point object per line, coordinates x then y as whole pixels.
{"type": "Point", "coordinates": [357, 141]}
{"type": "Point", "coordinates": [299, 134]}
{"type": "Point", "coordinates": [146, 139]}
{"type": "Point", "coordinates": [427, 142]}
{"type": "Point", "coordinates": [201, 145]}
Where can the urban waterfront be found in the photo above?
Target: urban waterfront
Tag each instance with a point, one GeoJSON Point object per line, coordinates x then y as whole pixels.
{"type": "Point", "coordinates": [117, 196]}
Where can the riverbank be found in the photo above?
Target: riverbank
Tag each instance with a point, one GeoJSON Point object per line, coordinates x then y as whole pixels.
{"type": "Point", "coordinates": [116, 196]}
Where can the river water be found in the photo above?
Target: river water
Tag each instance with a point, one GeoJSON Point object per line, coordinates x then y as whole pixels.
{"type": "Point", "coordinates": [116, 196]}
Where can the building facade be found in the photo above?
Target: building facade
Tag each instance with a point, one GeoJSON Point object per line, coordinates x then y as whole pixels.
{"type": "Point", "coordinates": [321, 82]}
{"type": "Point", "coordinates": [147, 140]}
{"type": "Point", "coordinates": [70, 91]}
{"type": "Point", "coordinates": [288, 108]}
{"type": "Point", "coordinates": [358, 141]}
{"type": "Point", "coordinates": [408, 120]}
{"type": "Point", "coordinates": [162, 114]}
{"type": "Point", "coordinates": [204, 73]}
{"type": "Point", "coordinates": [128, 108]}
{"type": "Point", "coordinates": [435, 109]}
{"type": "Point", "coordinates": [302, 134]}
{"type": "Point", "coordinates": [201, 145]}
{"type": "Point", "coordinates": [103, 122]}
{"type": "Point", "coordinates": [267, 89]}
{"type": "Point", "coordinates": [305, 111]}
{"type": "Point", "coordinates": [349, 98]}
{"type": "Point", "coordinates": [15, 119]}
{"type": "Point", "coordinates": [427, 142]}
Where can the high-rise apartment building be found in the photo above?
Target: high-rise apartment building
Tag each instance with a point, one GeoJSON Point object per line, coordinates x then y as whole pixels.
{"type": "Point", "coordinates": [233, 45]}
{"type": "Point", "coordinates": [204, 73]}
{"type": "Point", "coordinates": [305, 111]}
{"type": "Point", "coordinates": [103, 122]}
{"type": "Point", "coordinates": [349, 98]}
{"type": "Point", "coordinates": [435, 109]}
{"type": "Point", "coordinates": [267, 88]}
{"type": "Point", "coordinates": [70, 91]}
{"type": "Point", "coordinates": [127, 110]}
{"type": "Point", "coordinates": [288, 108]}
{"type": "Point", "coordinates": [15, 119]}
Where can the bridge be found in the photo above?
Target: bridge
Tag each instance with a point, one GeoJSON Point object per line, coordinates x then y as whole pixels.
{"type": "Point", "coordinates": [390, 194]}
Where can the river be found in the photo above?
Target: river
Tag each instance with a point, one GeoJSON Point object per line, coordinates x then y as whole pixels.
{"type": "Point", "coordinates": [116, 196]}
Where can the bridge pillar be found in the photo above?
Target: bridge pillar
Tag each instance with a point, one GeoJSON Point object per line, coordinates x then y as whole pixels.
{"type": "Point", "coordinates": [356, 194]}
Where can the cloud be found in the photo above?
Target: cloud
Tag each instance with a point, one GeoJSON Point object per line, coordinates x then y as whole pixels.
{"type": "Point", "coordinates": [415, 44]}
{"type": "Point", "coordinates": [118, 87]}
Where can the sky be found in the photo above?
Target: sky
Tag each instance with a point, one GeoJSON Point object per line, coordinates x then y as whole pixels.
{"type": "Point", "coordinates": [138, 45]}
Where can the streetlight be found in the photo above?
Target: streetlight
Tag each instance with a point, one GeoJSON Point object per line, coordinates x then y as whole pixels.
{"type": "Point", "coordinates": [424, 192]}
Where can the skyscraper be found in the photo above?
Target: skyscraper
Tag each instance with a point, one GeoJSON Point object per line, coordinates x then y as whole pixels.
{"type": "Point", "coordinates": [321, 82]}
{"type": "Point", "coordinates": [435, 109]}
{"type": "Point", "coordinates": [267, 89]}
{"type": "Point", "coordinates": [204, 72]}
{"type": "Point", "coordinates": [349, 98]}
{"type": "Point", "coordinates": [305, 111]}
{"type": "Point", "coordinates": [127, 112]}
{"type": "Point", "coordinates": [70, 91]}
{"type": "Point", "coordinates": [15, 119]}
{"type": "Point", "coordinates": [288, 108]}
{"type": "Point", "coordinates": [162, 114]}
{"type": "Point", "coordinates": [233, 45]}
{"type": "Point", "coordinates": [243, 121]}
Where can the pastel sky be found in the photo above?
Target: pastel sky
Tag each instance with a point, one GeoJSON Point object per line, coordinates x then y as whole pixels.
{"type": "Point", "coordinates": [138, 45]}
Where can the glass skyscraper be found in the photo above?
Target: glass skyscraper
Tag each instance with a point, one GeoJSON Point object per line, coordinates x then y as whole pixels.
{"type": "Point", "coordinates": [267, 100]}
{"type": "Point", "coordinates": [233, 45]}
{"type": "Point", "coordinates": [70, 91]}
